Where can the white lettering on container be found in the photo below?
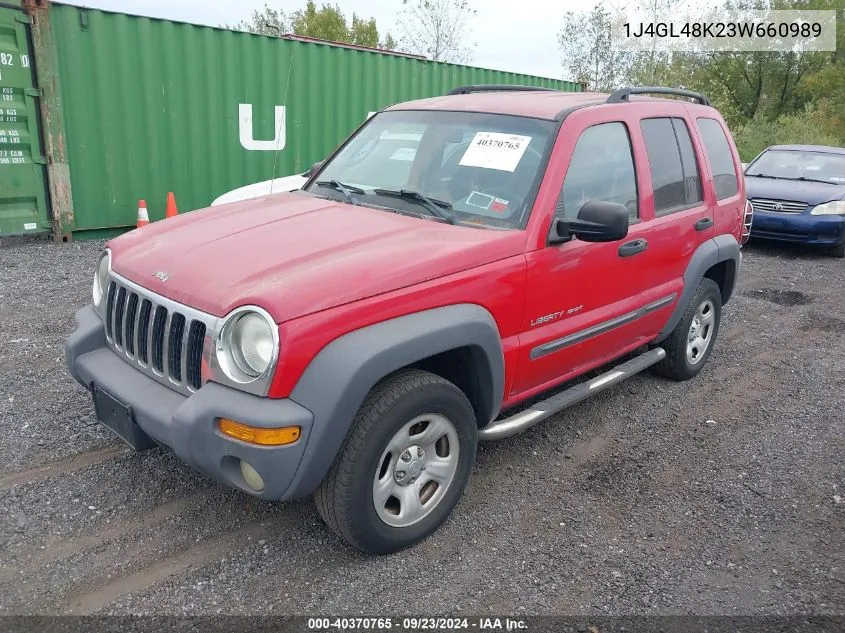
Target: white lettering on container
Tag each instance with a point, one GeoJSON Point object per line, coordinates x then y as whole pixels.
{"type": "Point", "coordinates": [245, 129]}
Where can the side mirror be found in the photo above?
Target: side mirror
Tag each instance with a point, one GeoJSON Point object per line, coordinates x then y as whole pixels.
{"type": "Point", "coordinates": [314, 168]}
{"type": "Point", "coordinates": [597, 221]}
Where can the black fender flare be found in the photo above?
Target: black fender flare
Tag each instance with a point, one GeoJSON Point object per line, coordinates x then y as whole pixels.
{"type": "Point", "coordinates": [714, 251]}
{"type": "Point", "coordinates": [337, 380]}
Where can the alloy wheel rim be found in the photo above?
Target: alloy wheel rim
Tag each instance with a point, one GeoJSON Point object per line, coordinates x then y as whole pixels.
{"type": "Point", "coordinates": [700, 332]}
{"type": "Point", "coordinates": [416, 470]}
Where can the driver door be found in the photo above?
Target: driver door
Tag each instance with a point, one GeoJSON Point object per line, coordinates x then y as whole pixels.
{"type": "Point", "coordinates": [586, 302]}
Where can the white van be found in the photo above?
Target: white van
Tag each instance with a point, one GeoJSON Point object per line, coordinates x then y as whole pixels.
{"type": "Point", "coordinates": [258, 189]}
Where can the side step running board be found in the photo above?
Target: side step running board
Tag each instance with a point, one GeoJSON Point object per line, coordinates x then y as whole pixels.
{"type": "Point", "coordinates": [542, 410]}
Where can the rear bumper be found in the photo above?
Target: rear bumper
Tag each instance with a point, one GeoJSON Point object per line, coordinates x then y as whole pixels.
{"type": "Point", "coordinates": [188, 424]}
{"type": "Point", "coordinates": [800, 228]}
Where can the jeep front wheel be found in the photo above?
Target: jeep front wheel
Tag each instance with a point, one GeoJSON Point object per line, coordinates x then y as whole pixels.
{"type": "Point", "coordinates": [403, 466]}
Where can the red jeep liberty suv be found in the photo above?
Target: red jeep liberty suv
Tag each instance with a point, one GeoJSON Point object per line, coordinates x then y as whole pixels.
{"type": "Point", "coordinates": [455, 257]}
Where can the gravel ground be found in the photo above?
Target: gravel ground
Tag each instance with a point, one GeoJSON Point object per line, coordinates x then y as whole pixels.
{"type": "Point", "coordinates": [723, 495]}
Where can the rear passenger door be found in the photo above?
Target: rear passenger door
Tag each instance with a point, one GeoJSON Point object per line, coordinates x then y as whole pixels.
{"type": "Point", "coordinates": [729, 203]}
{"type": "Point", "coordinates": [676, 205]}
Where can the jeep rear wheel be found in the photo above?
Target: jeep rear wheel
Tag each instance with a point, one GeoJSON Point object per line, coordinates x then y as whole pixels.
{"type": "Point", "coordinates": [691, 342]}
{"type": "Point", "coordinates": [403, 466]}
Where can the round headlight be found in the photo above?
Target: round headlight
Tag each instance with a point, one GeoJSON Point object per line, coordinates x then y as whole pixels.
{"type": "Point", "coordinates": [252, 344]}
{"type": "Point", "coordinates": [101, 277]}
{"type": "Point", "coordinates": [247, 345]}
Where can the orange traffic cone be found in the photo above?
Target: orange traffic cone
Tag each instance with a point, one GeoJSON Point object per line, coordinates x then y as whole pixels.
{"type": "Point", "coordinates": [143, 218]}
{"type": "Point", "coordinates": [171, 210]}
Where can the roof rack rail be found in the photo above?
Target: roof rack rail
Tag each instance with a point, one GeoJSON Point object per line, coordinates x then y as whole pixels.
{"type": "Point", "coordinates": [465, 90]}
{"type": "Point", "coordinates": [623, 94]}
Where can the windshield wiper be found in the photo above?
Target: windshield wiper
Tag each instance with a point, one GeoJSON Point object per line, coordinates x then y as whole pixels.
{"type": "Point", "coordinates": [346, 190]}
{"type": "Point", "coordinates": [805, 179]}
{"type": "Point", "coordinates": [761, 175]}
{"type": "Point", "coordinates": [438, 208]}
{"type": "Point", "coordinates": [801, 178]}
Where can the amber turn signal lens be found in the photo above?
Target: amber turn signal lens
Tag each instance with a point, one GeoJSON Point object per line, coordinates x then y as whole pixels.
{"type": "Point", "coordinates": [259, 435]}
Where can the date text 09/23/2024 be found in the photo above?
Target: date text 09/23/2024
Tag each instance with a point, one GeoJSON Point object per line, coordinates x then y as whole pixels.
{"type": "Point", "coordinates": [416, 624]}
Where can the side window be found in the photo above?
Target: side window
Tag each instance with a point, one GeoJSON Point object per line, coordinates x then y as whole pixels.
{"type": "Point", "coordinates": [601, 168]}
{"type": "Point", "coordinates": [692, 180]}
{"type": "Point", "coordinates": [720, 157]}
{"type": "Point", "coordinates": [674, 173]}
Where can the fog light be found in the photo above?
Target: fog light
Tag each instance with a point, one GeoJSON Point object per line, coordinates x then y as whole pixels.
{"type": "Point", "coordinates": [259, 435]}
{"type": "Point", "coordinates": [251, 477]}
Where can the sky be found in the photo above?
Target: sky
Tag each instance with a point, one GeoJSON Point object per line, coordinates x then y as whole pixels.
{"type": "Point", "coordinates": [514, 35]}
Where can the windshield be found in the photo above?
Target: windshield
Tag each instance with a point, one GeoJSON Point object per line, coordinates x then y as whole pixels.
{"type": "Point", "coordinates": [465, 167]}
{"type": "Point", "coordinates": [800, 165]}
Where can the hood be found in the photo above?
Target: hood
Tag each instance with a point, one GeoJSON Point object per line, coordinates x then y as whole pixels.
{"type": "Point", "coordinates": [259, 189]}
{"type": "Point", "coordinates": [812, 193]}
{"type": "Point", "coordinates": [294, 254]}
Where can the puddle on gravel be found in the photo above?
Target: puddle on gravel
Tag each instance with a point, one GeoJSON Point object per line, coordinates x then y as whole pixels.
{"type": "Point", "coordinates": [787, 298]}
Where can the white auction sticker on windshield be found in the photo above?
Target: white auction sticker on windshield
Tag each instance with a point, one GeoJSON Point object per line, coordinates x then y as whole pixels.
{"type": "Point", "coordinates": [404, 153]}
{"type": "Point", "coordinates": [494, 150]}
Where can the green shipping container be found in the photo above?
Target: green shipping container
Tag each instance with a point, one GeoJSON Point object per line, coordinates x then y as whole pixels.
{"type": "Point", "coordinates": [23, 197]}
{"type": "Point", "coordinates": [135, 107]}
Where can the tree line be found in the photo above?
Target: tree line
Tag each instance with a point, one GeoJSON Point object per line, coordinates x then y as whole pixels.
{"type": "Point", "coordinates": [436, 29]}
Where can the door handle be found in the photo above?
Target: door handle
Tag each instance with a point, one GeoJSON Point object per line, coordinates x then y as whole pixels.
{"type": "Point", "coordinates": [703, 224]}
{"type": "Point", "coordinates": [632, 248]}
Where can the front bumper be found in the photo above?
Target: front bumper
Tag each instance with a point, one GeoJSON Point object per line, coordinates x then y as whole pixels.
{"type": "Point", "coordinates": [803, 228]}
{"type": "Point", "coordinates": [188, 424]}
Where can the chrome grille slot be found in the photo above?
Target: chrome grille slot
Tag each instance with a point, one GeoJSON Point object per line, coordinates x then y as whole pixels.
{"type": "Point", "coordinates": [196, 338]}
{"type": "Point", "coordinates": [110, 310]}
{"type": "Point", "coordinates": [144, 331]}
{"type": "Point", "coordinates": [131, 322]}
{"type": "Point", "coordinates": [119, 311]}
{"type": "Point", "coordinates": [778, 206]}
{"type": "Point", "coordinates": [158, 336]}
{"type": "Point", "coordinates": [174, 349]}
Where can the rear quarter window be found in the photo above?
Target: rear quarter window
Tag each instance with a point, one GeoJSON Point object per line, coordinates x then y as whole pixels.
{"type": "Point", "coordinates": [720, 157]}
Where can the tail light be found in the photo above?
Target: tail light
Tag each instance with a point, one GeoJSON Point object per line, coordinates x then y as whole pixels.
{"type": "Point", "coordinates": [747, 217]}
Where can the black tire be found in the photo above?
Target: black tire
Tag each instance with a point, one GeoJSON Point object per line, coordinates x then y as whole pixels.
{"type": "Point", "coordinates": [677, 365]}
{"type": "Point", "coordinates": [344, 498]}
{"type": "Point", "coordinates": [838, 250]}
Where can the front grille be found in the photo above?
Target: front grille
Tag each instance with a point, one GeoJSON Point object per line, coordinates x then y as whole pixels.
{"type": "Point", "coordinates": [778, 206]}
{"type": "Point", "coordinates": [158, 336]}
